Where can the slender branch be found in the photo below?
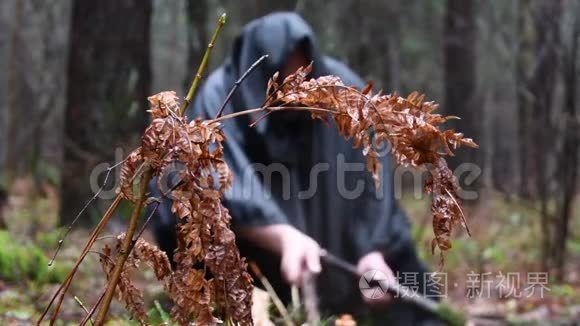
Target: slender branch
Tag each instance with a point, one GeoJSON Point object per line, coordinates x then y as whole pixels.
{"type": "Point", "coordinates": [238, 83]}
{"type": "Point", "coordinates": [125, 246]}
{"type": "Point", "coordinates": [154, 210]}
{"type": "Point", "coordinates": [92, 311]}
{"type": "Point", "coordinates": [236, 114]}
{"type": "Point", "coordinates": [110, 236]}
{"type": "Point", "coordinates": [83, 307]}
{"type": "Point", "coordinates": [463, 221]}
{"type": "Point", "coordinates": [260, 118]}
{"type": "Point", "coordinates": [67, 281]}
{"type": "Point", "coordinates": [146, 223]}
{"type": "Point", "coordinates": [220, 23]}
{"type": "Point", "coordinates": [96, 232]}
{"type": "Point", "coordinates": [274, 108]}
{"type": "Point", "coordinates": [69, 228]}
{"type": "Point", "coordinates": [273, 295]}
{"type": "Point", "coordinates": [271, 109]}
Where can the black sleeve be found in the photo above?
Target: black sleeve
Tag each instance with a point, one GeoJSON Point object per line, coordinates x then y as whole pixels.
{"type": "Point", "coordinates": [384, 226]}
{"type": "Point", "coordinates": [248, 201]}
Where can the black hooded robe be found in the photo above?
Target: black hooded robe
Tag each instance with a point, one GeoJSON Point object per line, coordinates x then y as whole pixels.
{"type": "Point", "coordinates": [293, 170]}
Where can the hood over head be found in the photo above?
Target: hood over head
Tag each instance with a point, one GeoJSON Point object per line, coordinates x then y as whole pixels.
{"type": "Point", "coordinates": [277, 35]}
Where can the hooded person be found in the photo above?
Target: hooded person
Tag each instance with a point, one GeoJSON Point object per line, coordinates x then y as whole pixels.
{"type": "Point", "coordinates": [298, 186]}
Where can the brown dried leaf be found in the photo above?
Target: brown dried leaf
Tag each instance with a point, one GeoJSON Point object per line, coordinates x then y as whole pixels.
{"type": "Point", "coordinates": [203, 233]}
{"type": "Point", "coordinates": [407, 123]}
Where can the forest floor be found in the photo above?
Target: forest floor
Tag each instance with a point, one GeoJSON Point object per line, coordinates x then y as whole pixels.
{"type": "Point", "coordinates": [496, 273]}
{"type": "Point", "coordinates": [493, 277]}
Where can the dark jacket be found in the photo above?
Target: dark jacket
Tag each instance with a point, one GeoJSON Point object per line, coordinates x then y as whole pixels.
{"type": "Point", "coordinates": [284, 148]}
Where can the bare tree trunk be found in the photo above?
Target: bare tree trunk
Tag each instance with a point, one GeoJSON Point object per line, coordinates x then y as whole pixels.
{"type": "Point", "coordinates": [542, 86]}
{"type": "Point", "coordinates": [373, 47]}
{"type": "Point", "coordinates": [3, 201]}
{"type": "Point", "coordinates": [109, 78]}
{"type": "Point", "coordinates": [16, 91]}
{"type": "Point", "coordinates": [460, 75]}
{"type": "Point", "coordinates": [33, 55]}
{"type": "Point", "coordinates": [568, 162]}
{"type": "Point", "coordinates": [524, 66]}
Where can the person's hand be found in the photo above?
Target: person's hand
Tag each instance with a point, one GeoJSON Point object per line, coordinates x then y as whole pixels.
{"type": "Point", "coordinates": [300, 256]}
{"type": "Point", "coordinates": [300, 253]}
{"type": "Point", "coordinates": [374, 261]}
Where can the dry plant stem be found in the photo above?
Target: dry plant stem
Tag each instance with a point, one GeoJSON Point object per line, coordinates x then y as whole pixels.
{"type": "Point", "coordinates": [69, 228]}
{"type": "Point", "coordinates": [92, 311]}
{"type": "Point", "coordinates": [83, 307]}
{"type": "Point", "coordinates": [221, 22]}
{"type": "Point", "coordinates": [270, 289]}
{"type": "Point", "coordinates": [146, 223]}
{"type": "Point", "coordinates": [153, 211]}
{"type": "Point", "coordinates": [310, 299]}
{"type": "Point", "coordinates": [125, 246]}
{"type": "Point", "coordinates": [272, 108]}
{"type": "Point", "coordinates": [237, 84]}
{"type": "Point", "coordinates": [66, 283]}
{"type": "Point", "coordinates": [64, 287]}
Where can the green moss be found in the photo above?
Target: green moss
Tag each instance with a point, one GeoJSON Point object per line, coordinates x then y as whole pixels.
{"type": "Point", "coordinates": [20, 261]}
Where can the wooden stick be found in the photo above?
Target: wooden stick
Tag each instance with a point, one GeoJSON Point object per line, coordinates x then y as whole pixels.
{"type": "Point", "coordinates": [270, 289]}
{"type": "Point", "coordinates": [406, 293]}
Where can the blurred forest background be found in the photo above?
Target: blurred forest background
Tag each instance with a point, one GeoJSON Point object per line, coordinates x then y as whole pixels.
{"type": "Point", "coordinates": [76, 74]}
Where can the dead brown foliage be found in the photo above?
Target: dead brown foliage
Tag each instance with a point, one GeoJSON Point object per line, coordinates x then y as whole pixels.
{"type": "Point", "coordinates": [408, 124]}
{"type": "Point", "coordinates": [204, 234]}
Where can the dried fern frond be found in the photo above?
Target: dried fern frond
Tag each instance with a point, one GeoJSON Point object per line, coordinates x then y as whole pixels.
{"type": "Point", "coordinates": [408, 124]}
{"type": "Point", "coordinates": [203, 232]}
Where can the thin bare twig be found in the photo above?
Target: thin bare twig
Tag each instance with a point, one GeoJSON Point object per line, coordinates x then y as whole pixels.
{"type": "Point", "coordinates": [83, 307]}
{"type": "Point", "coordinates": [273, 108]}
{"type": "Point", "coordinates": [147, 220]}
{"type": "Point", "coordinates": [105, 237]}
{"type": "Point", "coordinates": [93, 309]}
{"type": "Point", "coordinates": [238, 83]}
{"type": "Point", "coordinates": [60, 292]}
{"type": "Point", "coordinates": [463, 221]}
{"type": "Point", "coordinates": [221, 22]}
{"type": "Point", "coordinates": [69, 228]}
{"type": "Point", "coordinates": [157, 204]}
{"type": "Point", "coordinates": [102, 255]}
